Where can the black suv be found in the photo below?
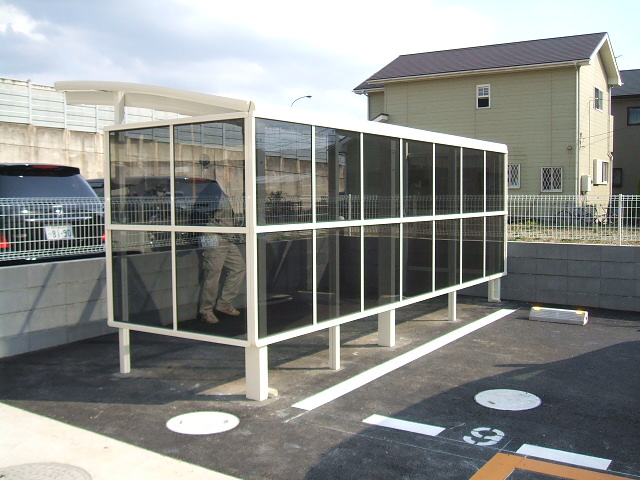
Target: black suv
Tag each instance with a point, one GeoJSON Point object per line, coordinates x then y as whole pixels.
{"type": "Point", "coordinates": [48, 211]}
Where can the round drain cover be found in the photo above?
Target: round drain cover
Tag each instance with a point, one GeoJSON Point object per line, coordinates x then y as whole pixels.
{"type": "Point", "coordinates": [43, 471]}
{"type": "Point", "coordinates": [503, 399]}
{"type": "Point", "coordinates": [203, 423]}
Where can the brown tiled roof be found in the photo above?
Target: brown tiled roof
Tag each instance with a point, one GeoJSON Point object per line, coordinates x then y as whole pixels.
{"type": "Point", "coordinates": [630, 84]}
{"type": "Point", "coordinates": [507, 55]}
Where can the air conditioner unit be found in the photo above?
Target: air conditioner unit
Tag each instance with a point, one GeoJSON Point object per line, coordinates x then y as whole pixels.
{"type": "Point", "coordinates": [585, 183]}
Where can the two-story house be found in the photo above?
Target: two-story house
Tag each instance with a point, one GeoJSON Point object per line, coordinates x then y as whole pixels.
{"type": "Point", "coordinates": [549, 100]}
{"type": "Point", "coordinates": [626, 111]}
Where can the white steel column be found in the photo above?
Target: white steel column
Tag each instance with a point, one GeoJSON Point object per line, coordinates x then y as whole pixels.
{"type": "Point", "coordinates": [493, 290]}
{"type": "Point", "coordinates": [124, 341]}
{"type": "Point", "coordinates": [334, 347]}
{"type": "Point", "coordinates": [387, 328]}
{"type": "Point", "coordinates": [453, 304]}
{"type": "Point", "coordinates": [256, 364]}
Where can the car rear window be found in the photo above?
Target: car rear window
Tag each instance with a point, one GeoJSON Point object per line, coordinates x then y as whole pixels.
{"type": "Point", "coordinates": [25, 181]}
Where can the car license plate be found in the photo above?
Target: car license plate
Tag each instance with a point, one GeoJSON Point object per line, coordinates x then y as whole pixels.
{"type": "Point", "coordinates": [59, 233]}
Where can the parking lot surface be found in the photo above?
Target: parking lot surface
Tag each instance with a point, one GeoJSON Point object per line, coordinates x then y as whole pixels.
{"type": "Point", "coordinates": [558, 401]}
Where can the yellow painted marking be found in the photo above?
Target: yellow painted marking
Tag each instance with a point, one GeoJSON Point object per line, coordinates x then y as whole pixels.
{"type": "Point", "coordinates": [502, 465]}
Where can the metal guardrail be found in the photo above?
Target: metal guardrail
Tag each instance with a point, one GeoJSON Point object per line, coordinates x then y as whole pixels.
{"type": "Point", "coordinates": [595, 219]}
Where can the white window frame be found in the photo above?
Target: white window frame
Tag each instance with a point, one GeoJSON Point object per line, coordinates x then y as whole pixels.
{"type": "Point", "coordinates": [598, 99]}
{"type": "Point", "coordinates": [600, 172]}
{"type": "Point", "coordinates": [483, 92]}
{"type": "Point", "coordinates": [542, 175]}
{"type": "Point", "coordinates": [513, 172]}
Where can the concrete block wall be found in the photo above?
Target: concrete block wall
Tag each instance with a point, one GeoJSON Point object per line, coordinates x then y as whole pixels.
{"type": "Point", "coordinates": [48, 304]}
{"type": "Point", "coordinates": [596, 276]}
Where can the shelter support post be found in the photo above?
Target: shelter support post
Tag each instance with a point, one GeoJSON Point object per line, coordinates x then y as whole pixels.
{"type": "Point", "coordinates": [334, 347]}
{"type": "Point", "coordinates": [387, 328]}
{"type": "Point", "coordinates": [453, 304]}
{"type": "Point", "coordinates": [494, 291]}
{"type": "Point", "coordinates": [124, 342]}
{"type": "Point", "coordinates": [256, 365]}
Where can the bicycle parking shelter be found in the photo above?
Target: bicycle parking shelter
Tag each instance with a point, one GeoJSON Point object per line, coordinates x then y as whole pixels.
{"type": "Point", "coordinates": [336, 220]}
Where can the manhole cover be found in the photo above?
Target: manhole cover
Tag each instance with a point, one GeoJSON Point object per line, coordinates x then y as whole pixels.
{"type": "Point", "coordinates": [43, 471]}
{"type": "Point", "coordinates": [503, 399]}
{"type": "Point", "coordinates": [203, 423]}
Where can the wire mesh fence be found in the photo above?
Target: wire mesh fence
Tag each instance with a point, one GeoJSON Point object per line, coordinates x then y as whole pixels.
{"type": "Point", "coordinates": [599, 219]}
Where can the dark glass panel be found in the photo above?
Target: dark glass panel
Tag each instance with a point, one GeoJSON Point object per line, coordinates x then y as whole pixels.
{"type": "Point", "coordinates": [338, 272]}
{"type": "Point", "coordinates": [381, 164]}
{"type": "Point", "coordinates": [381, 264]}
{"type": "Point", "coordinates": [337, 175]}
{"type": "Point", "coordinates": [495, 182]}
{"type": "Point", "coordinates": [418, 178]}
{"type": "Point", "coordinates": [495, 245]}
{"type": "Point", "coordinates": [472, 180]}
{"type": "Point", "coordinates": [418, 258]}
{"type": "Point", "coordinates": [285, 281]}
{"type": "Point", "coordinates": [472, 248]}
{"type": "Point", "coordinates": [447, 253]}
{"type": "Point", "coordinates": [447, 179]}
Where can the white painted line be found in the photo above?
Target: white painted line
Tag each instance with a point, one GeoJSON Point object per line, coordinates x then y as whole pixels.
{"type": "Point", "coordinates": [404, 425]}
{"type": "Point", "coordinates": [564, 457]}
{"type": "Point", "coordinates": [378, 371]}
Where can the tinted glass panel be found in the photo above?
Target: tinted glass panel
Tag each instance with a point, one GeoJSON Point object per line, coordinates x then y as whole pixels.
{"type": "Point", "coordinates": [209, 173]}
{"type": "Point", "coordinates": [140, 171]}
{"type": "Point", "coordinates": [381, 264]}
{"type": "Point", "coordinates": [211, 275]}
{"type": "Point", "coordinates": [338, 272]}
{"type": "Point", "coordinates": [495, 245]}
{"type": "Point", "coordinates": [472, 248]}
{"type": "Point", "coordinates": [472, 180]}
{"type": "Point", "coordinates": [285, 281]}
{"type": "Point", "coordinates": [418, 258]}
{"type": "Point", "coordinates": [418, 178]}
{"type": "Point", "coordinates": [142, 278]}
{"type": "Point", "coordinates": [447, 179]}
{"type": "Point", "coordinates": [495, 182]}
{"type": "Point", "coordinates": [381, 176]}
{"type": "Point", "coordinates": [337, 175]}
{"type": "Point", "coordinates": [447, 253]}
{"type": "Point", "coordinates": [283, 169]}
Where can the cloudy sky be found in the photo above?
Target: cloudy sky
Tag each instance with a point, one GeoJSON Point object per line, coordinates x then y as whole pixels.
{"type": "Point", "coordinates": [276, 51]}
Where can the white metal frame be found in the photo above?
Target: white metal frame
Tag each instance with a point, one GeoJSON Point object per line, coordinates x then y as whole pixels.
{"type": "Point", "coordinates": [256, 354]}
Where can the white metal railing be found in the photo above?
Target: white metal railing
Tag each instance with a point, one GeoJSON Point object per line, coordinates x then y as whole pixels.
{"type": "Point", "coordinates": [34, 228]}
{"type": "Point", "coordinates": [602, 219]}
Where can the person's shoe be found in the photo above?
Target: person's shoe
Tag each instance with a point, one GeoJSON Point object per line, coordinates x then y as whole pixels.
{"type": "Point", "coordinates": [209, 317]}
{"type": "Point", "coordinates": [229, 310]}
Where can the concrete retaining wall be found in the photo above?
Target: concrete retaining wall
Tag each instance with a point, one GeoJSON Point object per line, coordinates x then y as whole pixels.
{"type": "Point", "coordinates": [49, 304]}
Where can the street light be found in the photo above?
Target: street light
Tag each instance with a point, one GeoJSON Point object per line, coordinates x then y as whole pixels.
{"type": "Point", "coordinates": [305, 96]}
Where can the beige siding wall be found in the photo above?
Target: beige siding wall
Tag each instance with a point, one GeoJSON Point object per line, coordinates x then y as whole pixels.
{"type": "Point", "coordinates": [596, 134]}
{"type": "Point", "coordinates": [532, 112]}
{"type": "Point", "coordinates": [376, 104]}
{"type": "Point", "coordinates": [626, 149]}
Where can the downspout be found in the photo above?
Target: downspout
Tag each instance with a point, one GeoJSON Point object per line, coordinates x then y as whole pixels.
{"type": "Point", "coordinates": [577, 160]}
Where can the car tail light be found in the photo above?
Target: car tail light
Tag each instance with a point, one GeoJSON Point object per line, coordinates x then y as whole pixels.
{"type": "Point", "coordinates": [104, 237]}
{"type": "Point", "coordinates": [4, 243]}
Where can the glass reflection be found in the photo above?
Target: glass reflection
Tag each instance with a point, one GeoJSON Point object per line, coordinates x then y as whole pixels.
{"type": "Point", "coordinates": [495, 245]}
{"type": "Point", "coordinates": [209, 173]}
{"type": "Point", "coordinates": [338, 272]}
{"type": "Point", "coordinates": [211, 284]}
{"type": "Point", "coordinates": [495, 182]}
{"type": "Point", "coordinates": [285, 281]}
{"type": "Point", "coordinates": [418, 178]}
{"type": "Point", "coordinates": [337, 175]}
{"type": "Point", "coordinates": [142, 279]}
{"type": "Point", "coordinates": [447, 179]}
{"type": "Point", "coordinates": [447, 253]}
{"type": "Point", "coordinates": [283, 169]}
{"type": "Point", "coordinates": [472, 180]}
{"type": "Point", "coordinates": [472, 248]}
{"type": "Point", "coordinates": [418, 258]}
{"type": "Point", "coordinates": [139, 169]}
{"type": "Point", "coordinates": [381, 265]}
{"type": "Point", "coordinates": [381, 164]}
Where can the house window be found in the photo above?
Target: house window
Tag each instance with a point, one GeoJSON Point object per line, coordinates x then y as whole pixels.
{"type": "Point", "coordinates": [617, 178]}
{"type": "Point", "coordinates": [598, 99]}
{"type": "Point", "coordinates": [633, 116]}
{"type": "Point", "coordinates": [551, 179]}
{"type": "Point", "coordinates": [600, 172]}
{"type": "Point", "coordinates": [513, 175]}
{"type": "Point", "coordinates": [483, 95]}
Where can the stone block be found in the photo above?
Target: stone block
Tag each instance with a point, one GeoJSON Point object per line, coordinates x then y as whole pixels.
{"type": "Point", "coordinates": [10, 346]}
{"type": "Point", "coordinates": [613, 287]}
{"type": "Point", "coordinates": [618, 270]}
{"type": "Point", "coordinates": [583, 269]}
{"type": "Point", "coordinates": [47, 318]}
{"type": "Point", "coordinates": [547, 266]}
